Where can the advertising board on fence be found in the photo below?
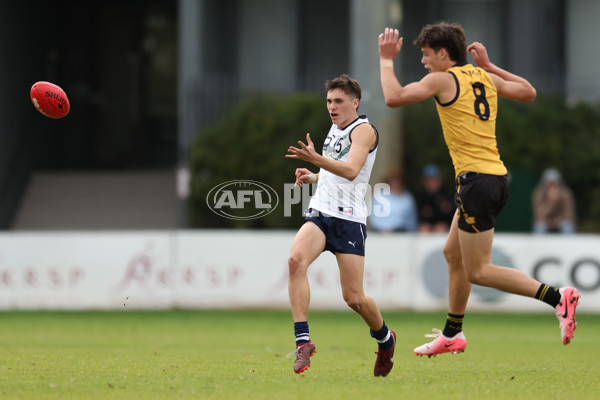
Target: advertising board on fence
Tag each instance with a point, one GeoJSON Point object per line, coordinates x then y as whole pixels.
{"type": "Point", "coordinates": [248, 269]}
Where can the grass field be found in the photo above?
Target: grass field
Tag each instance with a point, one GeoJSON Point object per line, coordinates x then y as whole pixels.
{"type": "Point", "coordinates": [241, 355]}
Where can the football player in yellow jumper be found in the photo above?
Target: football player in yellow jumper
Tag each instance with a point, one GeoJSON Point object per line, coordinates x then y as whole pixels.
{"type": "Point", "coordinates": [467, 101]}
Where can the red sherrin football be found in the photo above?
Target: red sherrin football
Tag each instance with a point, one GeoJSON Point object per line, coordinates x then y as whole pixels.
{"type": "Point", "coordinates": [50, 99]}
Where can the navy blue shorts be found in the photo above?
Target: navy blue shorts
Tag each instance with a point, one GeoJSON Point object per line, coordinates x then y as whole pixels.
{"type": "Point", "coordinates": [480, 198]}
{"type": "Point", "coordinates": [342, 236]}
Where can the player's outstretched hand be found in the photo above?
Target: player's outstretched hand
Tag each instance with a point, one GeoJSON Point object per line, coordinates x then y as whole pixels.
{"type": "Point", "coordinates": [480, 55]}
{"type": "Point", "coordinates": [390, 43]}
{"type": "Point", "coordinates": [306, 152]}
{"type": "Point", "coordinates": [303, 175]}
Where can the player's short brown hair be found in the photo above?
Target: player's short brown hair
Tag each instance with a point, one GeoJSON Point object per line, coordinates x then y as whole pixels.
{"type": "Point", "coordinates": [348, 85]}
{"type": "Point", "coordinates": [444, 35]}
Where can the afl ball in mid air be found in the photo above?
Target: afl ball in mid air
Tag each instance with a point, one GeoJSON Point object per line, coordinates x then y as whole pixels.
{"type": "Point", "coordinates": [50, 99]}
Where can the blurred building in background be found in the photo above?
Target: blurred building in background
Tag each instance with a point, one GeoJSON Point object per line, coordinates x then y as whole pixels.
{"type": "Point", "coordinates": [144, 77]}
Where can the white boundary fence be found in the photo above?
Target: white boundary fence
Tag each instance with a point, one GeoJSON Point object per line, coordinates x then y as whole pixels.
{"type": "Point", "coordinates": [248, 269]}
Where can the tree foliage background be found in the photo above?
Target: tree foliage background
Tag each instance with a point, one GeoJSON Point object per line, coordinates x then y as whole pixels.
{"type": "Point", "coordinates": [249, 142]}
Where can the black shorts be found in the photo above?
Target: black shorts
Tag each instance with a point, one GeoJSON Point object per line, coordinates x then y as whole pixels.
{"type": "Point", "coordinates": [342, 236]}
{"type": "Point", "coordinates": [479, 198]}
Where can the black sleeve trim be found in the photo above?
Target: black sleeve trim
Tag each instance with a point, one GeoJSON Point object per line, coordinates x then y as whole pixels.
{"type": "Point", "coordinates": [457, 92]}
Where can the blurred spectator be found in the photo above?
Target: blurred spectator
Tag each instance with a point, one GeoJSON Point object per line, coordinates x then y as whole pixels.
{"type": "Point", "coordinates": [553, 205]}
{"type": "Point", "coordinates": [403, 212]}
{"type": "Point", "coordinates": [435, 203]}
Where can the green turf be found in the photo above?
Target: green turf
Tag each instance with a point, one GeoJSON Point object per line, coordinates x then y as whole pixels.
{"type": "Point", "coordinates": [241, 355]}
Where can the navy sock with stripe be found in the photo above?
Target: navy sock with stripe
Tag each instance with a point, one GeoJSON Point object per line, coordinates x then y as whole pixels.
{"type": "Point", "coordinates": [383, 337]}
{"type": "Point", "coordinates": [301, 332]}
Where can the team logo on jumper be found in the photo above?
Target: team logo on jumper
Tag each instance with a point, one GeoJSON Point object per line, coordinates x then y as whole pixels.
{"type": "Point", "coordinates": [242, 199]}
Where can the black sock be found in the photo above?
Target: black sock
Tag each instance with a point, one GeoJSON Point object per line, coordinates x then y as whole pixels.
{"type": "Point", "coordinates": [384, 337]}
{"type": "Point", "coordinates": [453, 325]}
{"type": "Point", "coordinates": [548, 294]}
{"type": "Point", "coordinates": [301, 332]}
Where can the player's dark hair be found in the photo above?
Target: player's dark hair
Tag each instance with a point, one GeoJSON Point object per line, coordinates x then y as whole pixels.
{"type": "Point", "coordinates": [444, 35]}
{"type": "Point", "coordinates": [348, 85]}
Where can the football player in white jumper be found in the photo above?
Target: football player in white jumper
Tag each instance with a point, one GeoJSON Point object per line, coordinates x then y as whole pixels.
{"type": "Point", "coordinates": [336, 219]}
